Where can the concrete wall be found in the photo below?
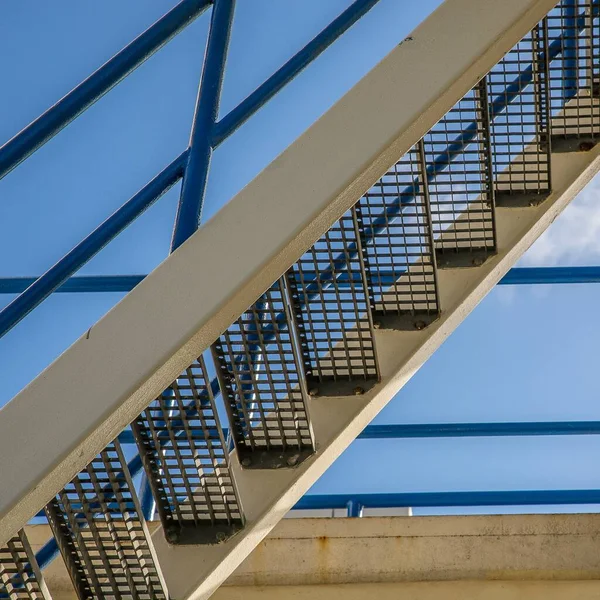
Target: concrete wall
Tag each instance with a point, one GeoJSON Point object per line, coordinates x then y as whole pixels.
{"type": "Point", "coordinates": [489, 557]}
{"type": "Point", "coordinates": [462, 590]}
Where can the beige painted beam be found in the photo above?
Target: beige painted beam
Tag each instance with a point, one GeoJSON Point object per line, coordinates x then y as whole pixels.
{"type": "Point", "coordinates": [58, 423]}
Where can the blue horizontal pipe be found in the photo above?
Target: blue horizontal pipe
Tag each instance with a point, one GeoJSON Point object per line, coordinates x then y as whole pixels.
{"type": "Point", "coordinates": [38, 291]}
{"type": "Point", "coordinates": [416, 500]}
{"type": "Point", "coordinates": [259, 97]}
{"type": "Point", "coordinates": [76, 285]}
{"type": "Point", "coordinates": [449, 499]}
{"type": "Point", "coordinates": [50, 550]}
{"type": "Point", "coordinates": [442, 430]}
{"type": "Point", "coordinates": [551, 275]}
{"type": "Point", "coordinates": [46, 126]}
{"type": "Point", "coordinates": [445, 430]}
{"type": "Point", "coordinates": [125, 283]}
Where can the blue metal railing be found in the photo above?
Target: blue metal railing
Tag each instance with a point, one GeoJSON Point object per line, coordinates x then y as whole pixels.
{"type": "Point", "coordinates": [193, 166]}
{"type": "Point", "coordinates": [125, 283]}
{"type": "Point", "coordinates": [354, 503]}
{"type": "Point", "coordinates": [56, 118]}
{"type": "Point", "coordinates": [196, 158]}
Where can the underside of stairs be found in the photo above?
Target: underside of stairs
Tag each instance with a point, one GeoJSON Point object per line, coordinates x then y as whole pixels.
{"type": "Point", "coordinates": [303, 306]}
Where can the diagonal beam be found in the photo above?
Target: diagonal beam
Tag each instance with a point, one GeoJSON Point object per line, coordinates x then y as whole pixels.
{"type": "Point", "coordinates": [106, 378]}
{"type": "Point", "coordinates": [338, 421]}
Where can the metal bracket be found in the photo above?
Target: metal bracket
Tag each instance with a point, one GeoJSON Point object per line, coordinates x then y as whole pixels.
{"type": "Point", "coordinates": [575, 143]}
{"type": "Point", "coordinates": [190, 535]}
{"type": "Point", "coordinates": [461, 258]}
{"type": "Point", "coordinates": [335, 388]}
{"type": "Point", "coordinates": [520, 200]}
{"type": "Point", "coordinates": [273, 458]}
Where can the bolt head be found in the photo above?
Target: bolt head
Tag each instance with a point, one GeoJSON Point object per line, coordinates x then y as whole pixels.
{"type": "Point", "coordinates": [221, 537]}
{"type": "Point", "coordinates": [359, 391]}
{"type": "Point", "coordinates": [420, 325]}
{"type": "Point", "coordinates": [246, 462]}
{"type": "Point", "coordinates": [477, 261]}
{"type": "Point", "coordinates": [313, 392]}
{"type": "Point", "coordinates": [172, 534]}
{"type": "Point", "coordinates": [586, 146]}
{"type": "Point", "coordinates": [292, 461]}
{"type": "Point", "coordinates": [376, 324]}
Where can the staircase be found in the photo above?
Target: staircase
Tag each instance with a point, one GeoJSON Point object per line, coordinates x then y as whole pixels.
{"type": "Point", "coordinates": [303, 306]}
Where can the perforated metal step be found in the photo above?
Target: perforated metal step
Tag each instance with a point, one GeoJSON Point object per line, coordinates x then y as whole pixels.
{"type": "Point", "coordinates": [97, 522]}
{"type": "Point", "coordinates": [261, 371]}
{"type": "Point", "coordinates": [335, 322]}
{"type": "Point", "coordinates": [519, 95]}
{"type": "Point", "coordinates": [574, 31]}
{"type": "Point", "coordinates": [183, 451]}
{"type": "Point", "coordinates": [458, 156]}
{"type": "Point", "coordinates": [20, 576]}
{"type": "Point", "coordinates": [397, 238]}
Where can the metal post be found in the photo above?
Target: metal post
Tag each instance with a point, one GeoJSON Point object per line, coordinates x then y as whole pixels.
{"type": "Point", "coordinates": [354, 508]}
{"type": "Point", "coordinates": [193, 188]}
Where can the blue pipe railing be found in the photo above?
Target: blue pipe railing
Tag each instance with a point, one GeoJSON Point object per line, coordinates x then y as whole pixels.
{"type": "Point", "coordinates": [125, 283]}
{"type": "Point", "coordinates": [50, 123]}
{"type": "Point", "coordinates": [354, 503]}
{"type": "Point", "coordinates": [52, 279]}
{"type": "Point", "coordinates": [105, 78]}
{"type": "Point", "coordinates": [9, 318]}
{"type": "Point", "coordinates": [206, 113]}
{"type": "Point", "coordinates": [56, 118]}
{"type": "Point", "coordinates": [459, 430]}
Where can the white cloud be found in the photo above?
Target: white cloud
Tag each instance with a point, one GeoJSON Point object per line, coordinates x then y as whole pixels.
{"type": "Point", "coordinates": [574, 238]}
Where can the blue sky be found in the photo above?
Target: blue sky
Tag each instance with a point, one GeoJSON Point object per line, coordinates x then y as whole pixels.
{"type": "Point", "coordinates": [524, 353]}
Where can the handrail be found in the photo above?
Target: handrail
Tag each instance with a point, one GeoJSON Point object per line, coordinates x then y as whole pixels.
{"type": "Point", "coordinates": [355, 502]}
{"type": "Point", "coordinates": [231, 122]}
{"type": "Point", "coordinates": [125, 283]}
{"type": "Point", "coordinates": [80, 98]}
{"type": "Point", "coordinates": [459, 430]}
{"type": "Point", "coordinates": [184, 154]}
{"type": "Point", "coordinates": [83, 96]}
{"type": "Point", "coordinates": [52, 279]}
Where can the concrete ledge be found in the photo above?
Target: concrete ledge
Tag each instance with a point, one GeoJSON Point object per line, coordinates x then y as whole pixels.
{"type": "Point", "coordinates": [305, 554]}
{"type": "Point", "coordinates": [393, 549]}
{"type": "Point", "coordinates": [457, 590]}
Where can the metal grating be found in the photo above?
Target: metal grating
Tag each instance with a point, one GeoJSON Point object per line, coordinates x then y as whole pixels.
{"type": "Point", "coordinates": [333, 299]}
{"type": "Point", "coordinates": [397, 240]}
{"type": "Point", "coordinates": [181, 443]}
{"type": "Point", "coordinates": [20, 577]}
{"type": "Point", "coordinates": [260, 368]}
{"type": "Point", "coordinates": [103, 540]}
{"type": "Point", "coordinates": [574, 29]}
{"type": "Point", "coordinates": [459, 170]}
{"type": "Point", "coordinates": [520, 115]}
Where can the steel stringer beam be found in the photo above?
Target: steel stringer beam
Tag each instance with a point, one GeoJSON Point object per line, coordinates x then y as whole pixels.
{"type": "Point", "coordinates": [338, 420]}
{"type": "Point", "coordinates": [130, 356]}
